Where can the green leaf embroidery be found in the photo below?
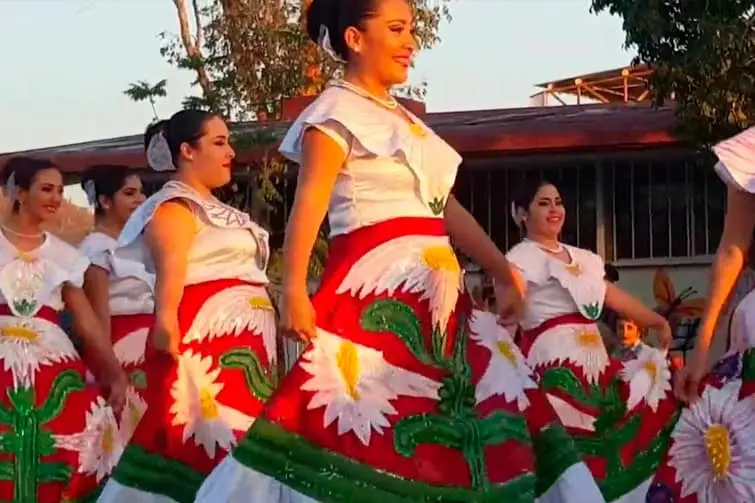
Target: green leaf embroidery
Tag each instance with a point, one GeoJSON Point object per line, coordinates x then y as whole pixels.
{"type": "Point", "coordinates": [386, 315]}
{"type": "Point", "coordinates": [592, 311]}
{"type": "Point", "coordinates": [438, 205]}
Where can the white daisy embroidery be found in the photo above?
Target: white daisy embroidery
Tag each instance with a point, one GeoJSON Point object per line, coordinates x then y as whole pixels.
{"type": "Point", "coordinates": [132, 413]}
{"type": "Point", "coordinates": [578, 343]}
{"type": "Point", "coordinates": [507, 373]}
{"type": "Point", "coordinates": [25, 345]}
{"type": "Point", "coordinates": [130, 349]}
{"type": "Point", "coordinates": [714, 449]}
{"type": "Point", "coordinates": [234, 310]}
{"type": "Point", "coordinates": [196, 406]}
{"type": "Point", "coordinates": [356, 385]}
{"type": "Point", "coordinates": [649, 377]}
{"type": "Point", "coordinates": [414, 264]}
{"type": "Point", "coordinates": [100, 445]}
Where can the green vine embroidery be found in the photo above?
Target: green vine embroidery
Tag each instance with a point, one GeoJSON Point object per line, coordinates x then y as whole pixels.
{"type": "Point", "coordinates": [438, 205]}
{"type": "Point", "coordinates": [613, 430]}
{"type": "Point", "coordinates": [27, 441]}
{"type": "Point", "coordinates": [456, 424]}
{"type": "Point", "coordinates": [260, 382]}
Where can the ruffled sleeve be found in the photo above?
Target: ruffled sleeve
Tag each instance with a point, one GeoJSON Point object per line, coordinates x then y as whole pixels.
{"type": "Point", "coordinates": [370, 130]}
{"type": "Point", "coordinates": [97, 247]}
{"type": "Point", "coordinates": [65, 264]}
{"type": "Point", "coordinates": [736, 160]}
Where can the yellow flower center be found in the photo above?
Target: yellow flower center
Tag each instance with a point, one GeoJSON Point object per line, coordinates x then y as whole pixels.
{"type": "Point", "coordinates": [347, 361]}
{"type": "Point", "coordinates": [207, 404]}
{"type": "Point", "coordinates": [108, 440]}
{"type": "Point", "coordinates": [589, 339]}
{"type": "Point", "coordinates": [26, 257]}
{"type": "Point", "coordinates": [504, 347]}
{"type": "Point", "coordinates": [574, 269]}
{"type": "Point", "coordinates": [261, 303]}
{"type": "Point", "coordinates": [651, 368]}
{"type": "Point", "coordinates": [25, 334]}
{"type": "Point", "coordinates": [718, 447]}
{"type": "Point", "coordinates": [441, 258]}
{"type": "Point", "coordinates": [417, 130]}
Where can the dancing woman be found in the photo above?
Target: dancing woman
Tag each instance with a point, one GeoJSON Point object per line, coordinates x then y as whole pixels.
{"type": "Point", "coordinates": [120, 291]}
{"type": "Point", "coordinates": [52, 427]}
{"type": "Point", "coordinates": [211, 355]}
{"type": "Point", "coordinates": [712, 455]}
{"type": "Point", "coordinates": [619, 412]}
{"type": "Point", "coordinates": [400, 394]}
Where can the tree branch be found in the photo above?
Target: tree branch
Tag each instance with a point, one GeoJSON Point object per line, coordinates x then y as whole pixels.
{"type": "Point", "coordinates": [192, 49]}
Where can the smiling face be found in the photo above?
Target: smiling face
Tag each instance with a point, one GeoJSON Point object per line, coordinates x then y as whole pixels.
{"type": "Point", "coordinates": [210, 158]}
{"type": "Point", "coordinates": [545, 215]}
{"type": "Point", "coordinates": [385, 46]}
{"type": "Point", "coordinates": [43, 198]}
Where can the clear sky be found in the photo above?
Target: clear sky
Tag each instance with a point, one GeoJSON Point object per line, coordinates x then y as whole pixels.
{"type": "Point", "coordinates": [66, 62]}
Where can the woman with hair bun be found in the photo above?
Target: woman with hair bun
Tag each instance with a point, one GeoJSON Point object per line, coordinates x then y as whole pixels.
{"type": "Point", "coordinates": [119, 291]}
{"type": "Point", "coordinates": [620, 411]}
{"type": "Point", "coordinates": [403, 393]}
{"type": "Point", "coordinates": [211, 354]}
{"type": "Point", "coordinates": [52, 427]}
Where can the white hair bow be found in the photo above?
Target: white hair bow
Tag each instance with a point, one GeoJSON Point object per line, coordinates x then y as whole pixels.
{"type": "Point", "coordinates": [91, 192]}
{"type": "Point", "coordinates": [327, 46]}
{"type": "Point", "coordinates": [517, 214]}
{"type": "Point", "coordinates": [10, 187]}
{"type": "Point", "coordinates": [159, 157]}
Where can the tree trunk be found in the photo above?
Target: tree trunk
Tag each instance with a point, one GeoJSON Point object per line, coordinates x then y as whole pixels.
{"type": "Point", "coordinates": [193, 45]}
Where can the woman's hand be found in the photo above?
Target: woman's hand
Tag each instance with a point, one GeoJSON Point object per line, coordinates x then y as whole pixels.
{"type": "Point", "coordinates": [297, 315]}
{"type": "Point", "coordinates": [165, 335]}
{"type": "Point", "coordinates": [665, 336]}
{"type": "Point", "coordinates": [509, 297]}
{"type": "Point", "coordinates": [113, 385]}
{"type": "Point", "coordinates": [687, 380]}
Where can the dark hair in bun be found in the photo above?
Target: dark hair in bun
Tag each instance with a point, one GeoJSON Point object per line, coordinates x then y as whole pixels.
{"type": "Point", "coordinates": [337, 16]}
{"type": "Point", "coordinates": [185, 126]}
{"type": "Point", "coordinates": [24, 170]}
{"type": "Point", "coordinates": [107, 179]}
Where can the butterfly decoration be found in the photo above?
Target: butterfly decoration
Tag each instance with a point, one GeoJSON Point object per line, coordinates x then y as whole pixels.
{"type": "Point", "coordinates": [675, 305]}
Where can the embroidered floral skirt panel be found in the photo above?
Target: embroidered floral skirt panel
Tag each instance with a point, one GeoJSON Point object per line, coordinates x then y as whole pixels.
{"type": "Point", "coordinates": [129, 335]}
{"type": "Point", "coordinates": [53, 428]}
{"type": "Point", "coordinates": [200, 404]}
{"type": "Point", "coordinates": [404, 396]}
{"type": "Point", "coordinates": [712, 454]}
{"type": "Point", "coordinates": [620, 413]}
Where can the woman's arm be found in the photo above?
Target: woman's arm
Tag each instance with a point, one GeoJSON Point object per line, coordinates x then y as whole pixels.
{"type": "Point", "coordinates": [474, 242]}
{"type": "Point", "coordinates": [97, 346]}
{"type": "Point", "coordinates": [168, 237]}
{"type": "Point", "coordinates": [736, 239]}
{"type": "Point", "coordinates": [322, 159]}
{"type": "Point", "coordinates": [97, 290]}
{"type": "Point", "coordinates": [632, 309]}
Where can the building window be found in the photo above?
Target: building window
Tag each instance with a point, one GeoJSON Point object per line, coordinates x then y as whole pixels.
{"type": "Point", "coordinates": [487, 194]}
{"type": "Point", "coordinates": [661, 209]}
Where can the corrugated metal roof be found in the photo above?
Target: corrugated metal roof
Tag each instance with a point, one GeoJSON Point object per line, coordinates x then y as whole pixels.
{"type": "Point", "coordinates": [471, 132]}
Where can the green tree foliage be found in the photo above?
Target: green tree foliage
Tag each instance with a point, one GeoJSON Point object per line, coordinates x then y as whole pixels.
{"type": "Point", "coordinates": [144, 91]}
{"type": "Point", "coordinates": [703, 56]}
